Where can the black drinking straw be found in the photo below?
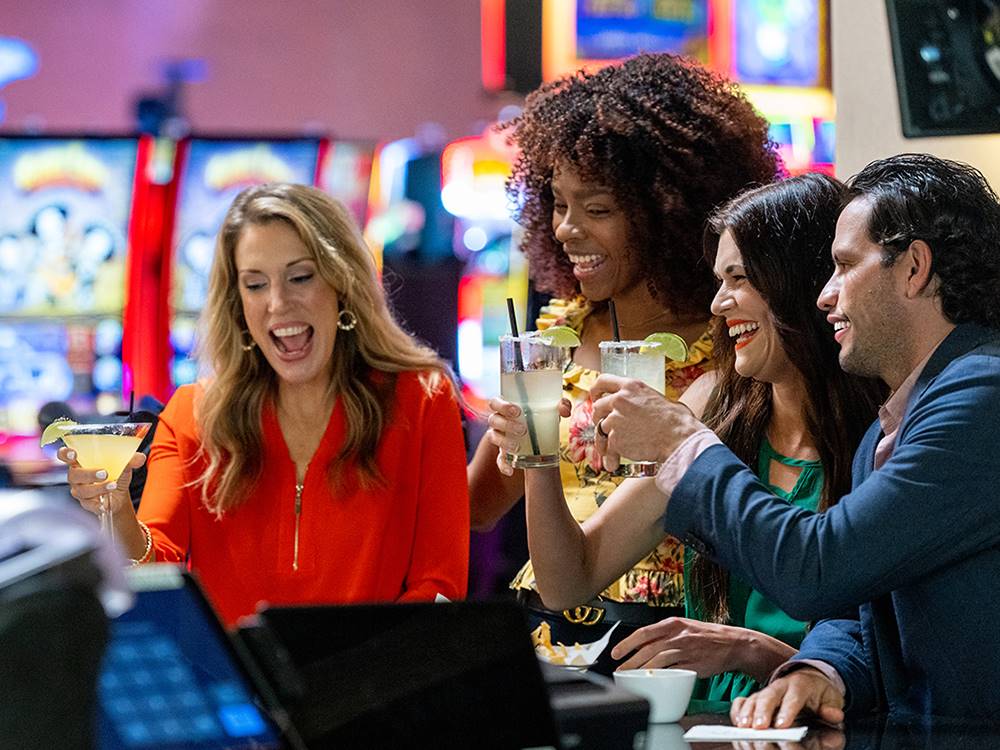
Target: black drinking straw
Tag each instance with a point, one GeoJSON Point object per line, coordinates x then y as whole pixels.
{"type": "Point", "coordinates": [518, 360]}
{"type": "Point", "coordinates": [131, 404]}
{"type": "Point", "coordinates": [615, 333]}
{"type": "Point", "coordinates": [519, 367]}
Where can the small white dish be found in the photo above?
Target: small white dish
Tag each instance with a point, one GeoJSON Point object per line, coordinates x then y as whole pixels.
{"type": "Point", "coordinates": [667, 690]}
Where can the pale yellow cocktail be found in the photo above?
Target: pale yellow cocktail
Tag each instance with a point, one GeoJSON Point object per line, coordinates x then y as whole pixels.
{"type": "Point", "coordinates": [105, 446]}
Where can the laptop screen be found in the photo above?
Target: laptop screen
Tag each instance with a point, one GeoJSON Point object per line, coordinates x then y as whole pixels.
{"type": "Point", "coordinates": [171, 679]}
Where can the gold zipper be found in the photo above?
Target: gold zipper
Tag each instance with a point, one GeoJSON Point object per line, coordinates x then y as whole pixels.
{"type": "Point", "coordinates": [298, 515]}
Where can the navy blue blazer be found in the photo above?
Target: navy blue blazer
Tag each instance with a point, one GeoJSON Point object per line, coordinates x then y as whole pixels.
{"type": "Point", "coordinates": [912, 552]}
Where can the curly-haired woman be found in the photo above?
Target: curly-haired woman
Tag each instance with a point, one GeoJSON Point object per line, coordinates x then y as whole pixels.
{"type": "Point", "coordinates": [617, 172]}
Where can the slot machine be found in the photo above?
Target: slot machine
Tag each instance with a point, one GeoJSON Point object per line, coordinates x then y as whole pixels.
{"type": "Point", "coordinates": [778, 50]}
{"type": "Point", "coordinates": [70, 233]}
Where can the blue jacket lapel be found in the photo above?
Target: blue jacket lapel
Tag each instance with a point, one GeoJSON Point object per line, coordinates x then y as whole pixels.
{"type": "Point", "coordinates": [864, 457]}
{"type": "Point", "coordinates": [962, 340]}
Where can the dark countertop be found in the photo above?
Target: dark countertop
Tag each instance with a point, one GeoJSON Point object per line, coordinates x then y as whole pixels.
{"type": "Point", "coordinates": [876, 733]}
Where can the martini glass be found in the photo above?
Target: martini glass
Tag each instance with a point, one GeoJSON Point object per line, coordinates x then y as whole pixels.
{"type": "Point", "coordinates": [109, 447]}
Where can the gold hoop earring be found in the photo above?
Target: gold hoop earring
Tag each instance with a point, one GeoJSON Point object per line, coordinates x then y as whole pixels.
{"type": "Point", "coordinates": [346, 320]}
{"type": "Point", "coordinates": [248, 342]}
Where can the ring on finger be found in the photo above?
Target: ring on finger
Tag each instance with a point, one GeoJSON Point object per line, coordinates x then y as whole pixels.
{"type": "Point", "coordinates": [600, 428]}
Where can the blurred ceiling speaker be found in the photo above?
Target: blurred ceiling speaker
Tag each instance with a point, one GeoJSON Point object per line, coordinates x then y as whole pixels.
{"type": "Point", "coordinates": [946, 55]}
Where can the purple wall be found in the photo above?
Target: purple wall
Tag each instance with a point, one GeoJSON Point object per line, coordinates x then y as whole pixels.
{"type": "Point", "coordinates": [358, 68]}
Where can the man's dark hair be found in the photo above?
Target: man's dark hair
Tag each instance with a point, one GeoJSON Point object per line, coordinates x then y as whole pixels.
{"type": "Point", "coordinates": [951, 207]}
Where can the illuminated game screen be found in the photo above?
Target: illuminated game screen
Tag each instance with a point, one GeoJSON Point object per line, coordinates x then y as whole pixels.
{"type": "Point", "coordinates": [214, 172]}
{"type": "Point", "coordinates": [613, 29]}
{"type": "Point", "coordinates": [64, 212]}
{"type": "Point", "coordinates": [777, 42]}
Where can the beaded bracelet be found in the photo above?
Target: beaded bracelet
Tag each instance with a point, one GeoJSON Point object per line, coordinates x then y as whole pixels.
{"type": "Point", "coordinates": [148, 552]}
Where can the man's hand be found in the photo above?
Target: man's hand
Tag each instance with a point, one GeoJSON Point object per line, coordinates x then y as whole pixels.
{"type": "Point", "coordinates": [780, 703]}
{"type": "Point", "coordinates": [637, 422]}
{"type": "Point", "coordinates": [705, 647]}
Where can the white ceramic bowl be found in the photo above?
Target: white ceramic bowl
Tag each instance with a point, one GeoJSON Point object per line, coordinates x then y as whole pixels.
{"type": "Point", "coordinates": [667, 690]}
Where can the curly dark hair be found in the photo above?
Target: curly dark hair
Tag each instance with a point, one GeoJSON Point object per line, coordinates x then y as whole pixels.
{"type": "Point", "coordinates": [670, 139]}
{"type": "Point", "coordinates": [784, 232]}
{"type": "Point", "coordinates": [950, 206]}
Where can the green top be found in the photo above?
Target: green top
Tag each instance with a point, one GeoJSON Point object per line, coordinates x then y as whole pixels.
{"type": "Point", "coordinates": [748, 608]}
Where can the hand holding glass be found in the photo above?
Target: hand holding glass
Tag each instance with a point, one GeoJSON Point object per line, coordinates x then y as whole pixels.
{"type": "Point", "coordinates": [531, 377]}
{"type": "Point", "coordinates": [109, 447]}
{"type": "Point", "coordinates": [638, 360]}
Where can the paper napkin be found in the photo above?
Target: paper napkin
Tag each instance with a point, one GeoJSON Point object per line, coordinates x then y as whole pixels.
{"type": "Point", "coordinates": [723, 733]}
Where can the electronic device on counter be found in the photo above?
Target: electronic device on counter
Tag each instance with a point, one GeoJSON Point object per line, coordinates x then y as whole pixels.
{"type": "Point", "coordinates": [456, 674]}
{"type": "Point", "coordinates": [174, 679]}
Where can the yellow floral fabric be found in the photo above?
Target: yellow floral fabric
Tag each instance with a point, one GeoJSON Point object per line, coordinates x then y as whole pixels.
{"type": "Point", "coordinates": [657, 580]}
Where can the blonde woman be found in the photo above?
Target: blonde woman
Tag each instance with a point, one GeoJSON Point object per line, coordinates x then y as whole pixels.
{"type": "Point", "coordinates": [301, 470]}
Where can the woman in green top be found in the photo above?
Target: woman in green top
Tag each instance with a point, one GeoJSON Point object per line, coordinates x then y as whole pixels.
{"type": "Point", "coordinates": [781, 403]}
{"type": "Point", "coordinates": [747, 608]}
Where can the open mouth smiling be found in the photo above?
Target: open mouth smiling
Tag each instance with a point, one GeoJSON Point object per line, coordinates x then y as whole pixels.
{"type": "Point", "coordinates": [840, 328]}
{"type": "Point", "coordinates": [743, 331]}
{"type": "Point", "coordinates": [291, 339]}
{"type": "Point", "coordinates": [584, 265]}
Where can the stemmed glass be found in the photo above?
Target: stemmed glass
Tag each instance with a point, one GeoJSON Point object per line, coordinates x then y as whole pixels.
{"type": "Point", "coordinates": [109, 447]}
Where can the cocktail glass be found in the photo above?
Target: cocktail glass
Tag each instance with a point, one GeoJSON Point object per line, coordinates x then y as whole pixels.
{"type": "Point", "coordinates": [109, 447]}
{"type": "Point", "coordinates": [531, 377]}
{"type": "Point", "coordinates": [641, 361]}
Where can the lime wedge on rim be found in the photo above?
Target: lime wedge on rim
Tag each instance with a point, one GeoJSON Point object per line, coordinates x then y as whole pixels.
{"type": "Point", "coordinates": [56, 430]}
{"type": "Point", "coordinates": [672, 345]}
{"type": "Point", "coordinates": [559, 336]}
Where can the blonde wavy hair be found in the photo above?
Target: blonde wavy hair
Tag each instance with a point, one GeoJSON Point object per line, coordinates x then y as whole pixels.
{"type": "Point", "coordinates": [364, 359]}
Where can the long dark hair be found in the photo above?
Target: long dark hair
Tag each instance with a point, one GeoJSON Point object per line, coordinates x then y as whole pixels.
{"type": "Point", "coordinates": [784, 232]}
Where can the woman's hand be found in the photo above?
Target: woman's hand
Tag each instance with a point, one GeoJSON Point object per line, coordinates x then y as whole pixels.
{"type": "Point", "coordinates": [705, 647]}
{"type": "Point", "coordinates": [508, 428]}
{"type": "Point", "coordinates": [87, 485]}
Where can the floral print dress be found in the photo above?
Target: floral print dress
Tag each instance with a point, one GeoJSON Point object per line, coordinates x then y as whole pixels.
{"type": "Point", "coordinates": [658, 579]}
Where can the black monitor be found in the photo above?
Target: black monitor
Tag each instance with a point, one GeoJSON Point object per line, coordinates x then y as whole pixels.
{"type": "Point", "coordinates": [459, 674]}
{"type": "Point", "coordinates": [947, 61]}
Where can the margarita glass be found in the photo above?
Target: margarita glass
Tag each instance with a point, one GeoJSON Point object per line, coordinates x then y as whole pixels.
{"type": "Point", "coordinates": [641, 361]}
{"type": "Point", "coordinates": [105, 446]}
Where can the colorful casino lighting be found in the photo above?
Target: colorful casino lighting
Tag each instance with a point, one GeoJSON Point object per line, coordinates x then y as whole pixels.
{"type": "Point", "coordinates": [776, 49]}
{"type": "Point", "coordinates": [17, 60]}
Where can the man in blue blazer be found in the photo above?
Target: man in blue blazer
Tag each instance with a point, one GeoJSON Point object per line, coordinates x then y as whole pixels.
{"type": "Point", "coordinates": [907, 566]}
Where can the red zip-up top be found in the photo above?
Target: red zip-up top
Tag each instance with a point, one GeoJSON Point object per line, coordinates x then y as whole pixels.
{"type": "Point", "coordinates": [284, 544]}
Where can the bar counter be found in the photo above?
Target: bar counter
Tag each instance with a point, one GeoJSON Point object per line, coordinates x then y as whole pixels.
{"type": "Point", "coordinates": [874, 733]}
